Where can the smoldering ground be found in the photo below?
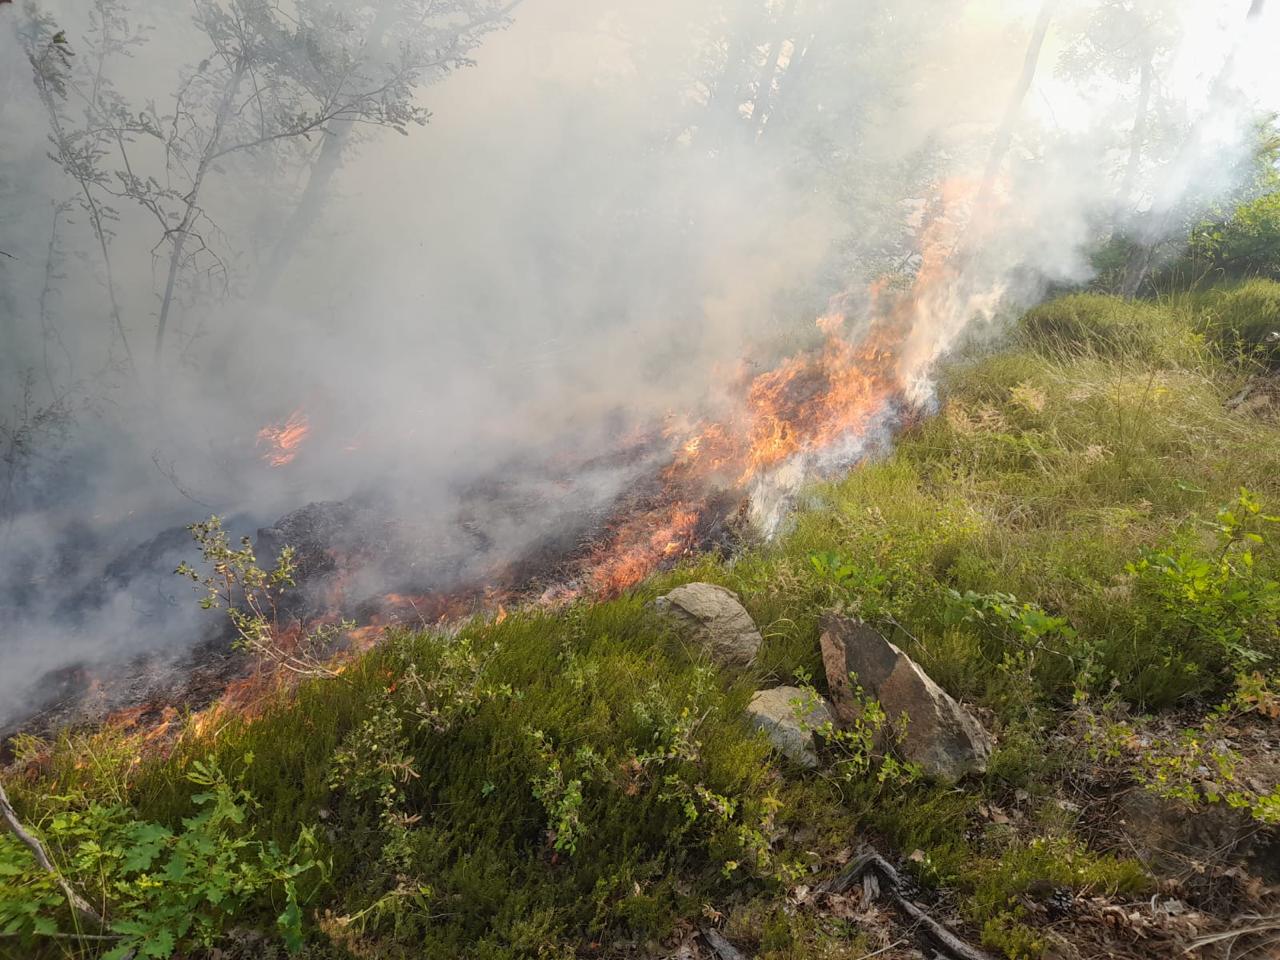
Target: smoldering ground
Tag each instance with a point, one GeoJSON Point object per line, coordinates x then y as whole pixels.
{"type": "Point", "coordinates": [617, 212]}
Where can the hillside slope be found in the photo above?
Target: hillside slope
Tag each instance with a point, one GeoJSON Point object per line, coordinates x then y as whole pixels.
{"type": "Point", "coordinates": [1080, 546]}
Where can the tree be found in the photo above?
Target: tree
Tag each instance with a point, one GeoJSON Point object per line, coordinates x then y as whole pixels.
{"type": "Point", "coordinates": [267, 84]}
{"type": "Point", "coordinates": [434, 38]}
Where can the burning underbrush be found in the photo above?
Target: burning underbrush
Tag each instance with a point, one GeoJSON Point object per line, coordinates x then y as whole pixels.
{"type": "Point", "coordinates": [533, 533]}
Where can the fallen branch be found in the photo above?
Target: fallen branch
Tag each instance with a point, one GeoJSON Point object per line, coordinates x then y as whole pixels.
{"type": "Point", "coordinates": [878, 876]}
{"type": "Point", "coordinates": [78, 903]}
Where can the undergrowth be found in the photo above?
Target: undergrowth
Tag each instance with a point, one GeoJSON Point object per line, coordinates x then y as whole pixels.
{"type": "Point", "coordinates": [1083, 521]}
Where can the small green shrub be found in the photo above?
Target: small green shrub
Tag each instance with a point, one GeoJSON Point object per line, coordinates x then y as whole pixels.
{"type": "Point", "coordinates": [1246, 244]}
{"type": "Point", "coordinates": [1197, 765]}
{"type": "Point", "coordinates": [1208, 611]}
{"type": "Point", "coordinates": [163, 891]}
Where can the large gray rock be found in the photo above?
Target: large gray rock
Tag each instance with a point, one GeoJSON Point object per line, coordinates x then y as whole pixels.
{"type": "Point", "coordinates": [941, 736]}
{"type": "Point", "coordinates": [772, 711]}
{"type": "Point", "coordinates": [712, 617]}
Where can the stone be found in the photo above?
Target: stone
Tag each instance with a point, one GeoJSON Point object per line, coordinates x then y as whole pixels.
{"type": "Point", "coordinates": [712, 617]}
{"type": "Point", "coordinates": [941, 736]}
{"type": "Point", "coordinates": [772, 711]}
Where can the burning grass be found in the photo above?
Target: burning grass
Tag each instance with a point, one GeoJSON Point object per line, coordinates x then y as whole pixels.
{"type": "Point", "coordinates": [572, 781]}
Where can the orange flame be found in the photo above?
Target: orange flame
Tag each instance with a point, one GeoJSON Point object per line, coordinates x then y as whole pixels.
{"type": "Point", "coordinates": [283, 439]}
{"type": "Point", "coordinates": [808, 404]}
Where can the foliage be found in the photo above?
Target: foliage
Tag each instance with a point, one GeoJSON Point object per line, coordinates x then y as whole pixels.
{"type": "Point", "coordinates": [1245, 244]}
{"type": "Point", "coordinates": [863, 749]}
{"type": "Point", "coordinates": [1196, 765]}
{"type": "Point", "coordinates": [262, 85]}
{"type": "Point", "coordinates": [560, 795]}
{"type": "Point", "coordinates": [560, 777]}
{"type": "Point", "coordinates": [1213, 612]}
{"type": "Point", "coordinates": [252, 595]}
{"type": "Point", "coordinates": [164, 891]}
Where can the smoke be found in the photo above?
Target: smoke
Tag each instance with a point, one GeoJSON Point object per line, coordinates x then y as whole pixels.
{"type": "Point", "coordinates": [619, 210]}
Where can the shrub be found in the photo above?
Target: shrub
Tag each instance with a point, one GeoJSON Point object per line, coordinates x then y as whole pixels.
{"type": "Point", "coordinates": [1205, 611]}
{"type": "Point", "coordinates": [164, 891]}
{"type": "Point", "coordinates": [1248, 244]}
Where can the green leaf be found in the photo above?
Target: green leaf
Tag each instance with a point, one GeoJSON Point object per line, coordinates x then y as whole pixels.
{"type": "Point", "coordinates": [159, 945]}
{"type": "Point", "coordinates": [290, 922]}
{"type": "Point", "coordinates": [43, 926]}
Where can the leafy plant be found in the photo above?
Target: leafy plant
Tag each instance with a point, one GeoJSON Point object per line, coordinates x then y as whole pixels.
{"type": "Point", "coordinates": [1196, 765]}
{"type": "Point", "coordinates": [863, 748]}
{"type": "Point", "coordinates": [559, 792]}
{"type": "Point", "coordinates": [161, 891]}
{"type": "Point", "coordinates": [1216, 609]}
{"type": "Point", "coordinates": [1027, 636]}
{"type": "Point", "coordinates": [251, 596]}
{"type": "Point", "coordinates": [374, 762]}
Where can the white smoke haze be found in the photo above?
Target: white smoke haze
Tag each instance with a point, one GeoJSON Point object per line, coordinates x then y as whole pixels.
{"type": "Point", "coordinates": [618, 212]}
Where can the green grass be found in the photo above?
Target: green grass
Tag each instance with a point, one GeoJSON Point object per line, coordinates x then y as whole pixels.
{"type": "Point", "coordinates": [1098, 436]}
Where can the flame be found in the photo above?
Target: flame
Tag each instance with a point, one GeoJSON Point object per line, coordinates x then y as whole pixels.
{"type": "Point", "coordinates": [282, 440]}
{"type": "Point", "coordinates": [800, 412]}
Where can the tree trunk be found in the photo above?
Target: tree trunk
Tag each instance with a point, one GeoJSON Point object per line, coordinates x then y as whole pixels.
{"type": "Point", "coordinates": [726, 95]}
{"type": "Point", "coordinates": [1004, 133]}
{"type": "Point", "coordinates": [790, 85]}
{"type": "Point", "coordinates": [326, 164]}
{"type": "Point", "coordinates": [307, 212]}
{"type": "Point", "coordinates": [1139, 136]}
{"type": "Point", "coordinates": [329, 159]}
{"type": "Point", "coordinates": [763, 104]}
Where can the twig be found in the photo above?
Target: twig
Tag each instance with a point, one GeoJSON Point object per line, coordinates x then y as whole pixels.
{"type": "Point", "coordinates": [884, 949]}
{"type": "Point", "coordinates": [1264, 925]}
{"type": "Point", "coordinates": [880, 876]}
{"type": "Point", "coordinates": [78, 903]}
{"type": "Point", "coordinates": [722, 947]}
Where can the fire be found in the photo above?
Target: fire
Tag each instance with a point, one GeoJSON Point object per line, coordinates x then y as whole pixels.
{"type": "Point", "coordinates": [786, 420]}
{"type": "Point", "coordinates": [282, 440]}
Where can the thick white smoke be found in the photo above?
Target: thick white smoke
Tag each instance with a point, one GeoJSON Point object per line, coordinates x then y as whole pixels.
{"type": "Point", "coordinates": [614, 212]}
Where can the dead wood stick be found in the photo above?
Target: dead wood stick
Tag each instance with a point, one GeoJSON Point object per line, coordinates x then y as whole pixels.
{"type": "Point", "coordinates": [78, 903]}
{"type": "Point", "coordinates": [722, 947]}
{"type": "Point", "coordinates": [874, 865]}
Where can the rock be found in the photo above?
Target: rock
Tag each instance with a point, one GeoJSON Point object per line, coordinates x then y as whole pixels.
{"type": "Point", "coordinates": [772, 711]}
{"type": "Point", "coordinates": [713, 617]}
{"type": "Point", "coordinates": [1170, 838]}
{"type": "Point", "coordinates": [941, 736]}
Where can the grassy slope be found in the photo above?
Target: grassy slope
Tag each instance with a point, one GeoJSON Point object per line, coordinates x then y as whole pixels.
{"type": "Point", "coordinates": [1055, 462]}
